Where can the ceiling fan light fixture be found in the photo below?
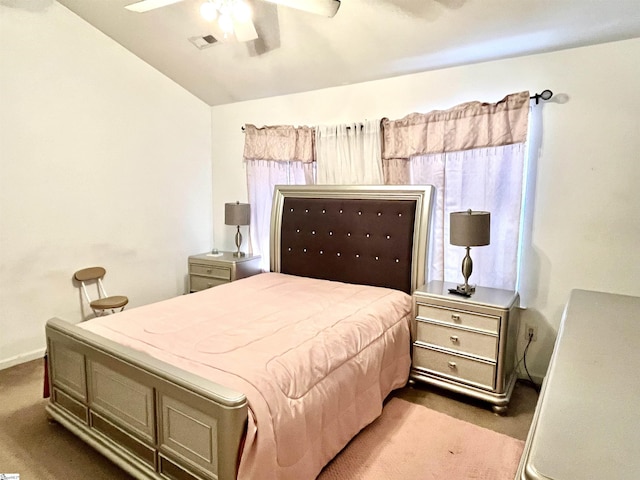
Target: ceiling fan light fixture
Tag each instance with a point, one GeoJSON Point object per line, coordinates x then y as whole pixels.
{"type": "Point", "coordinates": [227, 12]}
{"type": "Point", "coordinates": [209, 11]}
{"type": "Point", "coordinates": [241, 11]}
{"type": "Point", "coordinates": [225, 23]}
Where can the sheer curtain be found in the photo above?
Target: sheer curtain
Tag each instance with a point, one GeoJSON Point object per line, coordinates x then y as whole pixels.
{"type": "Point", "coordinates": [487, 179]}
{"type": "Point", "coordinates": [349, 154]}
{"type": "Point", "coordinates": [279, 155]}
{"type": "Point", "coordinates": [474, 155]}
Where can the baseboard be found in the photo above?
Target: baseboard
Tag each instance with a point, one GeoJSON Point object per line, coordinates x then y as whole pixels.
{"type": "Point", "coordinates": [24, 358]}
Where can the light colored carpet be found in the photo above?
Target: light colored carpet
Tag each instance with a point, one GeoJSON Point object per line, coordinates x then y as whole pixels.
{"type": "Point", "coordinates": [40, 450]}
{"type": "Point", "coordinates": [410, 441]}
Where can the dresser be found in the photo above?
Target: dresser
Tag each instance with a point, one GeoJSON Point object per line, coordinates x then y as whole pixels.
{"type": "Point", "coordinates": [206, 270]}
{"type": "Point", "coordinates": [587, 422]}
{"type": "Point", "coordinates": [466, 344]}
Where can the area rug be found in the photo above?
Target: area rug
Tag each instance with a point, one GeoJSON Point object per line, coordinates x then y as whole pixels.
{"type": "Point", "coordinates": [413, 442]}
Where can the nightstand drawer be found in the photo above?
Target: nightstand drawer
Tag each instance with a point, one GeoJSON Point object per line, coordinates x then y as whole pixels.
{"type": "Point", "coordinates": [474, 343]}
{"type": "Point", "coordinates": [449, 365]}
{"type": "Point", "coordinates": [487, 323]}
{"type": "Point", "coordinates": [222, 273]}
{"type": "Point", "coordinates": [202, 283]}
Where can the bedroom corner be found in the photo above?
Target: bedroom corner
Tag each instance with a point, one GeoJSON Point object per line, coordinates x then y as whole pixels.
{"type": "Point", "coordinates": [103, 161]}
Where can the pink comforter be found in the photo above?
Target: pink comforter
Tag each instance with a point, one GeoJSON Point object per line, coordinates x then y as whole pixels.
{"type": "Point", "coordinates": [315, 359]}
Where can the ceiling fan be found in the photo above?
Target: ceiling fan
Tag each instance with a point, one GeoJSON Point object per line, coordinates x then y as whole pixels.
{"type": "Point", "coordinates": [234, 16]}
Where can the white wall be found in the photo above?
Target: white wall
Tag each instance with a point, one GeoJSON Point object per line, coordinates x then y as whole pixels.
{"type": "Point", "coordinates": [103, 160]}
{"type": "Point", "coordinates": [584, 226]}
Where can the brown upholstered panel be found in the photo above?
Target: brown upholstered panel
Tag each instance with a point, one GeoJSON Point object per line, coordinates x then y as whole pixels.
{"type": "Point", "coordinates": [364, 241]}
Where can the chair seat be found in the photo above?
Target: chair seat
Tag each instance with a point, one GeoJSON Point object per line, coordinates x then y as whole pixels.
{"type": "Point", "coordinates": [117, 301]}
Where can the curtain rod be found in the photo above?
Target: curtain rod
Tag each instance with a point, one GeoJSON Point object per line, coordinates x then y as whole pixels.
{"type": "Point", "coordinates": [543, 95]}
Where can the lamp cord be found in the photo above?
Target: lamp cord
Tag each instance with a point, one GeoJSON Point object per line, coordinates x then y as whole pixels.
{"type": "Point", "coordinates": [523, 360]}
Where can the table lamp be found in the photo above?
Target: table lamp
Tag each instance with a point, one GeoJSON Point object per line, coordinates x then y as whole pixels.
{"type": "Point", "coordinates": [468, 229]}
{"type": "Point", "coordinates": [237, 214]}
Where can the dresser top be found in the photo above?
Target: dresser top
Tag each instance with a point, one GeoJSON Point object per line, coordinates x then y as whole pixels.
{"type": "Point", "coordinates": [223, 256]}
{"type": "Point", "coordinates": [587, 419]}
{"type": "Point", "coordinates": [483, 296]}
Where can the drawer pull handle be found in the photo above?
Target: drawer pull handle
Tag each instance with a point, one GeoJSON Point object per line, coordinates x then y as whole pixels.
{"type": "Point", "coordinates": [455, 317]}
{"type": "Point", "coordinates": [453, 338]}
{"type": "Point", "coordinates": [209, 270]}
{"type": "Point", "coordinates": [452, 365]}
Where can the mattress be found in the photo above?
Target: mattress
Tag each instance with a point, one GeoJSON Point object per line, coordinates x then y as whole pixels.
{"type": "Point", "coordinates": [315, 359]}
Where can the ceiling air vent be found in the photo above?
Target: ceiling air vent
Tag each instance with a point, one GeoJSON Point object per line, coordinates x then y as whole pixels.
{"type": "Point", "coordinates": [203, 42]}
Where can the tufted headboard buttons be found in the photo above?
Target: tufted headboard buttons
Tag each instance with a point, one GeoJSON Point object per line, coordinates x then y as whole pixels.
{"type": "Point", "coordinates": [369, 240]}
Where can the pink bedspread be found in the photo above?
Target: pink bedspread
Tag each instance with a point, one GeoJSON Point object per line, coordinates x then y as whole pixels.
{"type": "Point", "coordinates": [315, 359]}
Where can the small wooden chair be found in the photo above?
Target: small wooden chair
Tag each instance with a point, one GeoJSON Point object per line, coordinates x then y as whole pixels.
{"type": "Point", "coordinates": [104, 302]}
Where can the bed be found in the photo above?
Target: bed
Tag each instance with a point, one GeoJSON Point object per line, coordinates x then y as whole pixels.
{"type": "Point", "coordinates": [266, 377]}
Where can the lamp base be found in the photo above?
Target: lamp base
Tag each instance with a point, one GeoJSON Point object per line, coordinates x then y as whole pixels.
{"type": "Point", "coordinates": [467, 267]}
{"type": "Point", "coordinates": [461, 290]}
{"type": "Point", "coordinates": [238, 253]}
{"type": "Point", "coordinates": [466, 288]}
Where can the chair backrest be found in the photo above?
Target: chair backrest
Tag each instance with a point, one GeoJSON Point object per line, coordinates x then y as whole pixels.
{"type": "Point", "coordinates": [91, 274]}
{"type": "Point", "coordinates": [88, 274]}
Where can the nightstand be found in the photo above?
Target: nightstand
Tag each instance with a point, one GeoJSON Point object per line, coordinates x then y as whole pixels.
{"type": "Point", "coordinates": [206, 270]}
{"type": "Point", "coordinates": [466, 344]}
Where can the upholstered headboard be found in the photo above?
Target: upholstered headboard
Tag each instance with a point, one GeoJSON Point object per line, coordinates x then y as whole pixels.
{"type": "Point", "coordinates": [372, 235]}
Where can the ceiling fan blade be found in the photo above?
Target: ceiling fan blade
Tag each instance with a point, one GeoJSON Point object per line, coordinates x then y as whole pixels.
{"type": "Point", "coordinates": [146, 5]}
{"type": "Point", "coordinates": [268, 28]}
{"type": "Point", "coordinates": [327, 8]}
{"type": "Point", "coordinates": [244, 30]}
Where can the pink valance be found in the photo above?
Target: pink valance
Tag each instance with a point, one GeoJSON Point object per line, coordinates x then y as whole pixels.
{"type": "Point", "coordinates": [466, 126]}
{"type": "Point", "coordinates": [279, 143]}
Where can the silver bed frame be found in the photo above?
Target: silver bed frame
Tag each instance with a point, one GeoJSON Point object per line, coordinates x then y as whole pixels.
{"type": "Point", "coordinates": [157, 421]}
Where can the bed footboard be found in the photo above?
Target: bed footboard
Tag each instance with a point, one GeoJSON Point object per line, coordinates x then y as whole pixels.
{"type": "Point", "coordinates": [152, 419]}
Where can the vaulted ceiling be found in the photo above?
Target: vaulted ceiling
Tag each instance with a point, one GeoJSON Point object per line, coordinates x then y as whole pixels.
{"type": "Point", "coordinates": [366, 39]}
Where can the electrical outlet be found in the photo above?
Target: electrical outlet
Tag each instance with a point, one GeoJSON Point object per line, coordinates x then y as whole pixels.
{"type": "Point", "coordinates": [531, 330]}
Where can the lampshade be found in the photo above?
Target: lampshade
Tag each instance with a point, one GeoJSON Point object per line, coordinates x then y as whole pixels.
{"type": "Point", "coordinates": [470, 229]}
{"type": "Point", "coordinates": [237, 213]}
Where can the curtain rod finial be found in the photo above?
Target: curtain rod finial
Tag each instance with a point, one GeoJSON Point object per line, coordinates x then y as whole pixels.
{"type": "Point", "coordinates": [544, 95]}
